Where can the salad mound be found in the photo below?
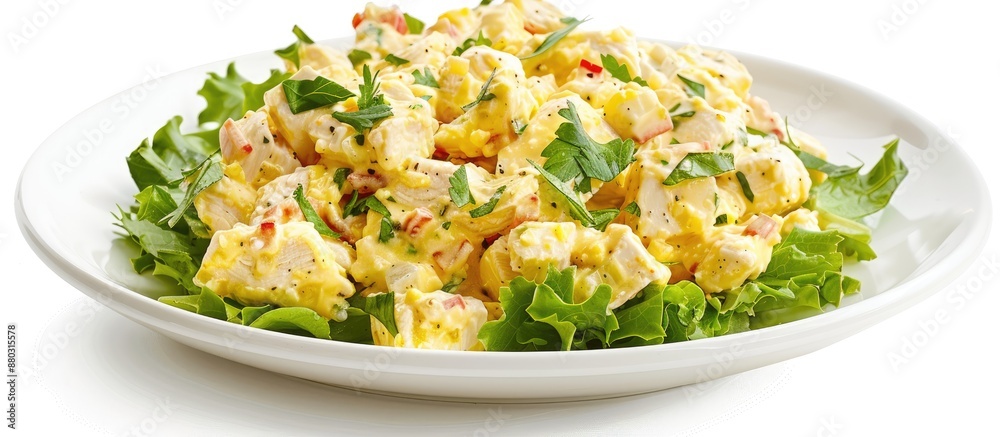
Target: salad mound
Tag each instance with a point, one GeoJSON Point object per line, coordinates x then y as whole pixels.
{"type": "Point", "coordinates": [498, 180]}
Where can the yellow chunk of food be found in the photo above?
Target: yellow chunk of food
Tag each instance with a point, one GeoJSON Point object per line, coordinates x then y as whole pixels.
{"type": "Point", "coordinates": [433, 320]}
{"type": "Point", "coordinates": [227, 202]}
{"type": "Point", "coordinates": [288, 265]}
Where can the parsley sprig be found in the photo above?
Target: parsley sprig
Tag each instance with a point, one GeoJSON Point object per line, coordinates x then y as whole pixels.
{"type": "Point", "coordinates": [461, 194]}
{"type": "Point", "coordinates": [574, 155]}
{"type": "Point", "coordinates": [426, 78]}
{"type": "Point", "coordinates": [484, 94]}
{"type": "Point", "coordinates": [620, 71]}
{"type": "Point", "coordinates": [303, 95]}
{"type": "Point", "coordinates": [459, 191]}
{"type": "Point", "coordinates": [291, 53]}
{"type": "Point", "coordinates": [554, 37]}
{"type": "Point", "coordinates": [371, 106]}
{"type": "Point", "coordinates": [470, 42]}
{"type": "Point", "coordinates": [310, 214]}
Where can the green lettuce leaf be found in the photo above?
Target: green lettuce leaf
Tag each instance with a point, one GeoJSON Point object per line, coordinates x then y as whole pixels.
{"type": "Point", "coordinates": [502, 334]}
{"type": "Point", "coordinates": [163, 159]}
{"type": "Point", "coordinates": [856, 236]}
{"type": "Point", "coordinates": [154, 203]}
{"type": "Point", "coordinates": [684, 306]}
{"type": "Point", "coordinates": [223, 95]}
{"type": "Point", "coordinates": [253, 93]}
{"type": "Point", "coordinates": [853, 195]}
{"type": "Point", "coordinates": [357, 328]}
{"type": "Point", "coordinates": [249, 314]}
{"type": "Point", "coordinates": [553, 305]}
{"type": "Point", "coordinates": [205, 303]}
{"type": "Point", "coordinates": [804, 275]}
{"type": "Point", "coordinates": [640, 320]}
{"type": "Point", "coordinates": [294, 320]}
{"type": "Point", "coordinates": [171, 254]}
{"type": "Point", "coordinates": [381, 306]}
{"type": "Point", "coordinates": [232, 95]}
{"type": "Point", "coordinates": [197, 180]}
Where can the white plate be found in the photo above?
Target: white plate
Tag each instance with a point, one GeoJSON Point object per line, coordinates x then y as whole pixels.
{"type": "Point", "coordinates": [936, 225]}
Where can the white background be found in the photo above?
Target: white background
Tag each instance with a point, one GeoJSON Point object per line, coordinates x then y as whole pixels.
{"type": "Point", "coordinates": [109, 376]}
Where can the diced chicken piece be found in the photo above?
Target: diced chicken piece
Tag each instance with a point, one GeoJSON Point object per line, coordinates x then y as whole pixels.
{"type": "Point", "coordinates": [723, 72]}
{"type": "Point", "coordinates": [778, 179]}
{"type": "Point", "coordinates": [462, 78]}
{"type": "Point", "coordinates": [427, 183]}
{"type": "Point", "coordinates": [535, 246]}
{"type": "Point", "coordinates": [406, 136]}
{"type": "Point", "coordinates": [295, 128]}
{"type": "Point", "coordinates": [337, 146]}
{"type": "Point", "coordinates": [615, 257]}
{"type": "Point", "coordinates": [518, 203]}
{"type": "Point", "coordinates": [425, 251]}
{"type": "Point", "coordinates": [541, 87]}
{"type": "Point", "coordinates": [458, 24]}
{"type": "Point", "coordinates": [226, 202]}
{"type": "Point", "coordinates": [433, 320]}
{"type": "Point", "coordinates": [702, 123]}
{"type": "Point", "coordinates": [594, 88]}
{"type": "Point", "coordinates": [250, 143]}
{"type": "Point", "coordinates": [429, 50]}
{"type": "Point", "coordinates": [406, 275]}
{"type": "Point", "coordinates": [382, 30]}
{"type": "Point", "coordinates": [541, 130]}
{"type": "Point", "coordinates": [276, 203]}
{"type": "Point", "coordinates": [391, 145]}
{"type": "Point", "coordinates": [758, 115]}
{"type": "Point", "coordinates": [366, 183]}
{"type": "Point", "coordinates": [495, 269]}
{"type": "Point", "coordinates": [730, 255]}
{"type": "Point", "coordinates": [491, 124]}
{"type": "Point", "coordinates": [387, 267]}
{"type": "Point", "coordinates": [662, 58]}
{"type": "Point", "coordinates": [331, 63]}
{"type": "Point", "coordinates": [563, 59]}
{"type": "Point", "coordinates": [434, 242]}
{"type": "Point", "coordinates": [668, 211]}
{"type": "Point", "coordinates": [280, 264]}
{"type": "Point", "coordinates": [635, 112]}
{"type": "Point", "coordinates": [504, 24]}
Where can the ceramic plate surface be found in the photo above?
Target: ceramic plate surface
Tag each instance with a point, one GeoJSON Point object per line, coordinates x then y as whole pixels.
{"type": "Point", "coordinates": [937, 223]}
